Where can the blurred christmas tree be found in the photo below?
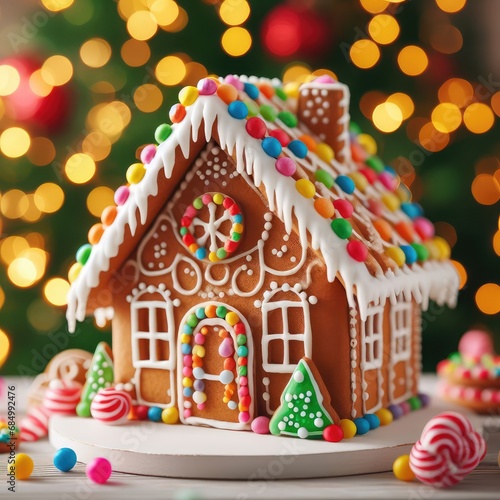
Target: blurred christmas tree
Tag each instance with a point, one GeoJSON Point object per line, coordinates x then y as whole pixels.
{"type": "Point", "coordinates": [84, 82]}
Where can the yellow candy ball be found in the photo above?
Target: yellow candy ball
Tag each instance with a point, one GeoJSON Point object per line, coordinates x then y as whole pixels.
{"type": "Point", "coordinates": [360, 181]}
{"type": "Point", "coordinates": [434, 252]}
{"type": "Point", "coordinates": [396, 254]}
{"type": "Point", "coordinates": [135, 173]}
{"type": "Point", "coordinates": [232, 318]}
{"type": "Point", "coordinates": [170, 415]}
{"type": "Point", "coordinates": [401, 468]}
{"type": "Point", "coordinates": [443, 247]}
{"type": "Point", "coordinates": [385, 416]}
{"type": "Point", "coordinates": [218, 199]}
{"type": "Point", "coordinates": [199, 350]}
{"type": "Point", "coordinates": [325, 152]}
{"type": "Point", "coordinates": [348, 427]}
{"type": "Point", "coordinates": [292, 89]}
{"type": "Point", "coordinates": [187, 382]}
{"type": "Point", "coordinates": [367, 142]}
{"type": "Point", "coordinates": [74, 271]}
{"type": "Point", "coordinates": [305, 187]}
{"type": "Point", "coordinates": [391, 201]}
{"type": "Point", "coordinates": [188, 95]}
{"type": "Point", "coordinates": [22, 467]}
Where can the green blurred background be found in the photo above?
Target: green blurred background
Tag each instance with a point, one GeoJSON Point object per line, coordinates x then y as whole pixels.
{"type": "Point", "coordinates": [83, 83]}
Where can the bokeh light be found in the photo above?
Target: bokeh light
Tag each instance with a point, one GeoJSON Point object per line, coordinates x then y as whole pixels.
{"type": "Point", "coordinates": [49, 197]}
{"type": "Point", "coordinates": [80, 168]}
{"type": "Point", "coordinates": [57, 70]}
{"type": "Point", "coordinates": [14, 142]}
{"type": "Point", "coordinates": [374, 6]}
{"type": "Point", "coordinates": [433, 139]}
{"type": "Point", "coordinates": [142, 25]}
{"type": "Point", "coordinates": [296, 73]}
{"type": "Point", "coordinates": [364, 53]}
{"type": "Point", "coordinates": [95, 52]}
{"type": "Point", "coordinates": [478, 118]}
{"type": "Point", "coordinates": [135, 52]}
{"type": "Point", "coordinates": [446, 117]}
{"type": "Point", "coordinates": [456, 90]}
{"type": "Point", "coordinates": [165, 12]}
{"type": "Point", "coordinates": [370, 101]}
{"type": "Point", "coordinates": [98, 199]}
{"type": "Point", "coordinates": [14, 204]}
{"type": "Point", "coordinates": [404, 102]}
{"type": "Point", "coordinates": [485, 189]}
{"type": "Point", "coordinates": [41, 152]}
{"type": "Point", "coordinates": [236, 41]}
{"type": "Point", "coordinates": [234, 12]}
{"type": "Point", "coordinates": [496, 243]}
{"type": "Point", "coordinates": [451, 6]}
{"type": "Point", "coordinates": [56, 291]}
{"type": "Point", "coordinates": [194, 73]}
{"type": "Point", "coordinates": [170, 70]}
{"type": "Point", "coordinates": [97, 145]}
{"type": "Point", "coordinates": [488, 298]}
{"type": "Point", "coordinates": [462, 273]}
{"type": "Point", "coordinates": [446, 38]}
{"type": "Point", "coordinates": [387, 117]}
{"type": "Point", "coordinates": [27, 269]}
{"type": "Point", "coordinates": [38, 85]}
{"type": "Point", "coordinates": [2, 297]}
{"type": "Point", "coordinates": [148, 98]}
{"type": "Point", "coordinates": [43, 317]}
{"type": "Point", "coordinates": [383, 28]}
{"type": "Point", "coordinates": [57, 5]}
{"type": "Point", "coordinates": [9, 79]}
{"type": "Point", "coordinates": [412, 60]}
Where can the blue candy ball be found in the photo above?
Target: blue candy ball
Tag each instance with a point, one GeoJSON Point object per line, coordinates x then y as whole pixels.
{"type": "Point", "coordinates": [373, 420]}
{"type": "Point", "coordinates": [410, 253]}
{"type": "Point", "coordinates": [410, 209]}
{"type": "Point", "coordinates": [201, 253]}
{"type": "Point", "coordinates": [345, 183]}
{"type": "Point", "coordinates": [238, 109]}
{"type": "Point", "coordinates": [154, 413]}
{"type": "Point", "coordinates": [251, 90]}
{"type": "Point", "coordinates": [271, 146]}
{"type": "Point", "coordinates": [298, 148]}
{"type": "Point", "coordinates": [64, 459]}
{"type": "Point", "coordinates": [362, 426]}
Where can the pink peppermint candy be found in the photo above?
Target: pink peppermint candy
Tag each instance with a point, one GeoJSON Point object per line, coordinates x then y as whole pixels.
{"type": "Point", "coordinates": [62, 396]}
{"type": "Point", "coordinates": [111, 406]}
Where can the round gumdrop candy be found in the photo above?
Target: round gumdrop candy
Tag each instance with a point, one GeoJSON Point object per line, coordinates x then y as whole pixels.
{"type": "Point", "coordinates": [345, 183]}
{"type": "Point", "coordinates": [238, 110]}
{"type": "Point", "coordinates": [141, 412]}
{"type": "Point", "coordinates": [154, 413]}
{"type": "Point", "coordinates": [424, 227]}
{"type": "Point", "coordinates": [298, 148]}
{"type": "Point", "coordinates": [162, 133]}
{"type": "Point", "coordinates": [108, 215]}
{"type": "Point", "coordinates": [64, 459]}
{"type": "Point", "coordinates": [177, 113]}
{"type": "Point", "coordinates": [357, 250]}
{"type": "Point", "coordinates": [281, 135]}
{"type": "Point", "coordinates": [285, 166]}
{"type": "Point", "coordinates": [372, 420]}
{"type": "Point", "coordinates": [83, 254]}
{"type": "Point", "coordinates": [188, 95]}
{"type": "Point", "coordinates": [396, 411]}
{"type": "Point", "coordinates": [415, 403]}
{"type": "Point", "coordinates": [401, 468]}
{"type": "Point", "coordinates": [148, 153]}
{"type": "Point", "coordinates": [272, 146]}
{"type": "Point", "coordinates": [227, 93]}
{"type": "Point", "coordinates": [344, 208]}
{"type": "Point", "coordinates": [170, 415]}
{"type": "Point", "coordinates": [342, 228]}
{"type": "Point", "coordinates": [256, 127]}
{"type": "Point", "coordinates": [362, 426]}
{"type": "Point", "coordinates": [333, 433]}
{"type": "Point", "coordinates": [475, 343]}
{"type": "Point", "coordinates": [207, 86]}
{"type": "Point", "coordinates": [424, 399]}
{"type": "Point", "coordinates": [83, 409]}
{"type": "Point", "coordinates": [260, 425]}
{"type": "Point", "coordinates": [348, 428]}
{"type": "Point", "coordinates": [121, 195]}
{"type": "Point", "coordinates": [410, 254]}
{"type": "Point", "coordinates": [385, 416]}
{"type": "Point", "coordinates": [99, 470]}
{"type": "Point", "coordinates": [23, 466]}
{"type": "Point", "coordinates": [135, 173]}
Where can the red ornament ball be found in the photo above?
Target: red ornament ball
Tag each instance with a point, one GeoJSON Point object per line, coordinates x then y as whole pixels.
{"type": "Point", "coordinates": [333, 433]}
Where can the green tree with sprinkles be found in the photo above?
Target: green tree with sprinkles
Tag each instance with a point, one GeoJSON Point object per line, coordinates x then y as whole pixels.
{"type": "Point", "coordinates": [303, 412]}
{"type": "Point", "coordinates": [99, 376]}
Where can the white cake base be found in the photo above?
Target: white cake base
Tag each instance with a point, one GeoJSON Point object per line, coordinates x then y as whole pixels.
{"type": "Point", "coordinates": [184, 451]}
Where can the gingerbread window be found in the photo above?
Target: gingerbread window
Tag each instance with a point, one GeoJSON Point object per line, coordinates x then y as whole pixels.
{"type": "Point", "coordinates": [152, 330]}
{"type": "Point", "coordinates": [401, 331]}
{"type": "Point", "coordinates": [286, 330]}
{"type": "Point", "coordinates": [372, 346]}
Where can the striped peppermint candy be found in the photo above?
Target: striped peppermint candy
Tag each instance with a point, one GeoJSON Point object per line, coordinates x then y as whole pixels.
{"type": "Point", "coordinates": [35, 425]}
{"type": "Point", "coordinates": [449, 449]}
{"type": "Point", "coordinates": [111, 406]}
{"type": "Point", "coordinates": [62, 396]}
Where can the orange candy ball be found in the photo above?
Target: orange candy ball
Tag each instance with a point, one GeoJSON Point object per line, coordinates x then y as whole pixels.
{"type": "Point", "coordinates": [227, 93]}
{"type": "Point", "coordinates": [383, 228]}
{"type": "Point", "coordinates": [177, 113]}
{"type": "Point", "coordinates": [95, 234]}
{"type": "Point", "coordinates": [324, 207]}
{"type": "Point", "coordinates": [109, 215]}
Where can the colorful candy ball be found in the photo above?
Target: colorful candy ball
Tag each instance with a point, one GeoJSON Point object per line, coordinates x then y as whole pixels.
{"type": "Point", "coordinates": [362, 426]}
{"type": "Point", "coordinates": [333, 433]}
{"type": "Point", "coordinates": [348, 428]}
{"type": "Point", "coordinates": [475, 343]}
{"type": "Point", "coordinates": [99, 470]}
{"type": "Point", "coordinates": [401, 468]}
{"type": "Point", "coordinates": [385, 416]}
{"type": "Point", "coordinates": [170, 415]}
{"type": "Point", "coordinates": [260, 425]}
{"type": "Point", "coordinates": [373, 420]}
{"type": "Point", "coordinates": [22, 466]}
{"type": "Point", "coordinates": [154, 414]}
{"type": "Point", "coordinates": [64, 459]}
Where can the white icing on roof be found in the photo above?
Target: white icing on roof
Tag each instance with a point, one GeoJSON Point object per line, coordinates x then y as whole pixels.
{"type": "Point", "coordinates": [435, 280]}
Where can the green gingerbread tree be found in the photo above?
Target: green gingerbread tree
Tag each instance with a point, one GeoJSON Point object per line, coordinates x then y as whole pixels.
{"type": "Point", "coordinates": [100, 376]}
{"type": "Point", "coordinates": [304, 412]}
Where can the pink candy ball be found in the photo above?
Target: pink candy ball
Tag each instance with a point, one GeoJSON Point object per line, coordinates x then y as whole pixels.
{"type": "Point", "coordinates": [424, 228]}
{"type": "Point", "coordinates": [324, 79]}
{"type": "Point", "coordinates": [148, 153]}
{"type": "Point", "coordinates": [388, 180]}
{"type": "Point", "coordinates": [99, 470]}
{"type": "Point", "coordinates": [235, 82]}
{"type": "Point", "coordinates": [207, 86]}
{"type": "Point", "coordinates": [475, 343]}
{"type": "Point", "coordinates": [260, 425]}
{"type": "Point", "coordinates": [244, 417]}
{"type": "Point", "coordinates": [121, 195]}
{"type": "Point", "coordinates": [285, 166]}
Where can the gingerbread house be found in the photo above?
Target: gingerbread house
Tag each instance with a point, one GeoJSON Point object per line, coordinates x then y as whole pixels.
{"type": "Point", "coordinates": [261, 228]}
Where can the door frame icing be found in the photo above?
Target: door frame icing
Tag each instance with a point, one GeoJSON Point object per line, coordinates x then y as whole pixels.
{"type": "Point", "coordinates": [216, 321]}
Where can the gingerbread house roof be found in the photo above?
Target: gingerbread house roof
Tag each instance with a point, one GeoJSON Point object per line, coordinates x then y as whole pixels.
{"type": "Point", "coordinates": [319, 177]}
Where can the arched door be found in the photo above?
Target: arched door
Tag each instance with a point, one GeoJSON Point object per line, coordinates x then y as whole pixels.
{"type": "Point", "coordinates": [215, 375]}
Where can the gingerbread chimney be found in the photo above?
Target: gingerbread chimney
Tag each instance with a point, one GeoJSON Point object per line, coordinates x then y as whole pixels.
{"type": "Point", "coordinates": [324, 108]}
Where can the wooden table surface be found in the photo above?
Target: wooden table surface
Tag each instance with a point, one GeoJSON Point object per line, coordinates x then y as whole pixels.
{"type": "Point", "coordinates": [48, 483]}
